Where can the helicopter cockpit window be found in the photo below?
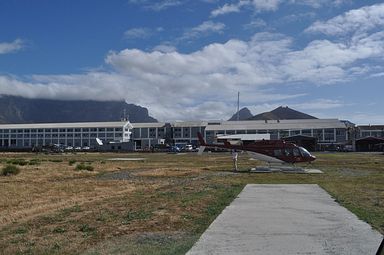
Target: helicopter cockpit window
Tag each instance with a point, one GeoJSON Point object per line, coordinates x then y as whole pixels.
{"type": "Point", "coordinates": [296, 152]}
{"type": "Point", "coordinates": [304, 152]}
{"type": "Point", "coordinates": [288, 152]}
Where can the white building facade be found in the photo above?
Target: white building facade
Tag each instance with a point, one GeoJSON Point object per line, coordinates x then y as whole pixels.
{"type": "Point", "coordinates": [145, 135]}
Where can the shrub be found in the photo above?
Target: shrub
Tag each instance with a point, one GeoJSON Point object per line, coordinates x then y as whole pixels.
{"type": "Point", "coordinates": [33, 162]}
{"type": "Point", "coordinates": [56, 160]}
{"type": "Point", "coordinates": [10, 170]}
{"type": "Point", "coordinates": [17, 161]}
{"type": "Point", "coordinates": [71, 162]}
{"type": "Point", "coordinates": [84, 167]}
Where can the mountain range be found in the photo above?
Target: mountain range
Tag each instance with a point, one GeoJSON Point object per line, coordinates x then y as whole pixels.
{"type": "Point", "coordinates": [17, 110]}
{"type": "Point", "coordinates": [280, 113]}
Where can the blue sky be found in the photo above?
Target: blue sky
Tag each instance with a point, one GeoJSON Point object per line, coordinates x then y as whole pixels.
{"type": "Point", "coordinates": [186, 59]}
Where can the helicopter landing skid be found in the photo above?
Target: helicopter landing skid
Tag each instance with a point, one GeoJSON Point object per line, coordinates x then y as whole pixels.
{"type": "Point", "coordinates": [284, 169]}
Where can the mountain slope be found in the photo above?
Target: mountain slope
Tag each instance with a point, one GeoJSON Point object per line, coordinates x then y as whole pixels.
{"type": "Point", "coordinates": [244, 114]}
{"type": "Point", "coordinates": [282, 113]}
{"type": "Point", "coordinates": [23, 110]}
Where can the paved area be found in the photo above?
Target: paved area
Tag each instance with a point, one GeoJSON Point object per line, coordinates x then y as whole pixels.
{"type": "Point", "coordinates": [288, 170]}
{"type": "Point", "coordinates": [287, 219]}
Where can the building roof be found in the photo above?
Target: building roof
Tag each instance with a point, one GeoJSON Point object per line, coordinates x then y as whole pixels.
{"type": "Point", "coordinates": [277, 124]}
{"type": "Point", "coordinates": [371, 127]}
{"type": "Point", "coordinates": [189, 124]}
{"type": "Point", "coordinates": [211, 125]}
{"type": "Point", "coordinates": [148, 125]}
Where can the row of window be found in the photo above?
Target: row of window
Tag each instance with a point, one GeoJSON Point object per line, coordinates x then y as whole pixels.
{"type": "Point", "coordinates": [61, 130]}
{"type": "Point", "coordinates": [60, 135]}
{"type": "Point", "coordinates": [379, 134]}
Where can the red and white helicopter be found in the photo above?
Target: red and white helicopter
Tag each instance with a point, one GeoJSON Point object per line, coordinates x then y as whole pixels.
{"type": "Point", "coordinates": [271, 151]}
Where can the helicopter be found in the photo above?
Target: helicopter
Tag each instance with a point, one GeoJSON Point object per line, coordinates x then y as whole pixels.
{"type": "Point", "coordinates": [270, 151]}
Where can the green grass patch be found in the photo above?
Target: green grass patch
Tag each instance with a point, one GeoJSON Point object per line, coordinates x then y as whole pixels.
{"type": "Point", "coordinates": [56, 160]}
{"type": "Point", "coordinates": [17, 161]}
{"type": "Point", "coordinates": [71, 162]}
{"type": "Point", "coordinates": [10, 170]}
{"type": "Point", "coordinates": [83, 166]}
{"type": "Point", "coordinates": [132, 215]}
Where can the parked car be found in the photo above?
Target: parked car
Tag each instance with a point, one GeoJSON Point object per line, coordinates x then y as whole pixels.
{"type": "Point", "coordinates": [174, 149]}
{"type": "Point", "coordinates": [188, 147]}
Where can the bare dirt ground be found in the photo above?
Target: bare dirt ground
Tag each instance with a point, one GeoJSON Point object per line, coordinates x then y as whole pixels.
{"type": "Point", "coordinates": [158, 205]}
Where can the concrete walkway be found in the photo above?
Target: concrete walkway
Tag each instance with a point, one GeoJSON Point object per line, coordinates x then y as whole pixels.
{"type": "Point", "coordinates": [287, 219]}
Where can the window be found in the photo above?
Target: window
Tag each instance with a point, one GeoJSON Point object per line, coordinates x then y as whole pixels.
{"type": "Point", "coordinates": [306, 132]}
{"type": "Point", "coordinates": [144, 132]}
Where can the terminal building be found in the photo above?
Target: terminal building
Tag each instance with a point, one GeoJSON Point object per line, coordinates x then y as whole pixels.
{"type": "Point", "coordinates": [315, 134]}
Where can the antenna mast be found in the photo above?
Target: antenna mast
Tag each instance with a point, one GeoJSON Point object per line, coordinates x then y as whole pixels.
{"type": "Point", "coordinates": [238, 105]}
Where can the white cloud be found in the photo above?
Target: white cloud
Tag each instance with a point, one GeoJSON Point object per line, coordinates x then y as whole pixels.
{"type": "Point", "coordinates": [204, 84]}
{"type": "Point", "coordinates": [354, 21]}
{"type": "Point", "coordinates": [166, 48]}
{"type": "Point", "coordinates": [318, 104]}
{"type": "Point", "coordinates": [254, 24]}
{"type": "Point", "coordinates": [158, 5]}
{"type": "Point", "coordinates": [320, 3]}
{"type": "Point", "coordinates": [141, 32]}
{"type": "Point", "coordinates": [266, 5]}
{"type": "Point", "coordinates": [205, 28]}
{"type": "Point", "coordinates": [229, 8]}
{"type": "Point", "coordinates": [257, 5]}
{"type": "Point", "coordinates": [137, 33]}
{"type": "Point", "coordinates": [9, 47]}
{"type": "Point", "coordinates": [377, 74]}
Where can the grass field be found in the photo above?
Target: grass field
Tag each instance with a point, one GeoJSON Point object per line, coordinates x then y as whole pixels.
{"type": "Point", "coordinates": [87, 204]}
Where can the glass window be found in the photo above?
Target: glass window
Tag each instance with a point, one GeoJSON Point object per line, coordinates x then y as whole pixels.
{"type": "Point", "coordinates": [144, 132]}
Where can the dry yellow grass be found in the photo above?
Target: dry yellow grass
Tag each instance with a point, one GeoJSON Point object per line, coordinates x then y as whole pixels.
{"type": "Point", "coordinates": [159, 205]}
